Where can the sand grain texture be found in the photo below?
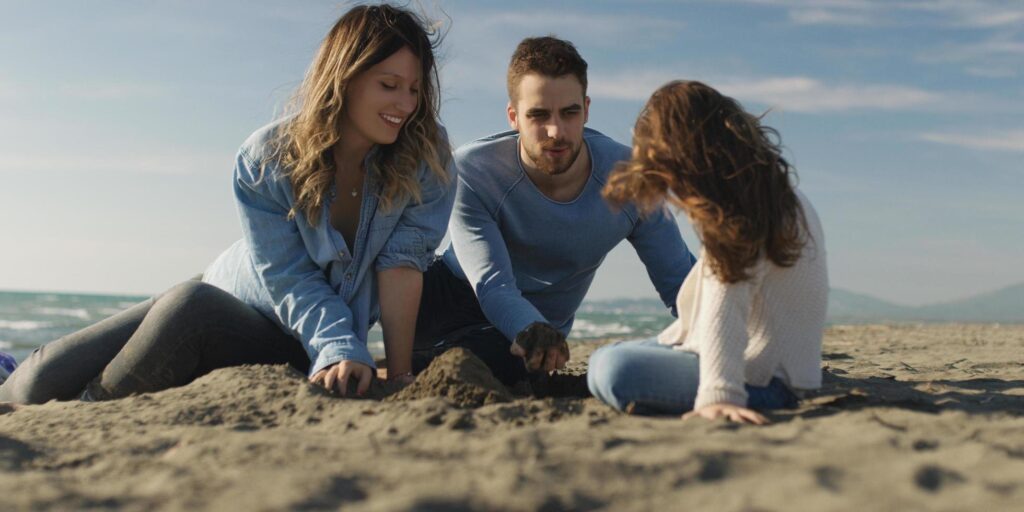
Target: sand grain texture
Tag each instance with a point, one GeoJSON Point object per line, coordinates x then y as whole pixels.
{"type": "Point", "coordinates": [910, 418]}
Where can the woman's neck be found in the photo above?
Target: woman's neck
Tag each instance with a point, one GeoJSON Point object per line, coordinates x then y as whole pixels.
{"type": "Point", "coordinates": [350, 151]}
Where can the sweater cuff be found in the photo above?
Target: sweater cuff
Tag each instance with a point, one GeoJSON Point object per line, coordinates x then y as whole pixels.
{"type": "Point", "coordinates": [721, 395]}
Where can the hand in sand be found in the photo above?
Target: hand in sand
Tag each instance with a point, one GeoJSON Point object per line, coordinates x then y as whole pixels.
{"type": "Point", "coordinates": [336, 377]}
{"type": "Point", "coordinates": [542, 346]}
{"type": "Point", "coordinates": [728, 411]}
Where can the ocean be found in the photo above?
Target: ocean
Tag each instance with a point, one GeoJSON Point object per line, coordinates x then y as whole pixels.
{"type": "Point", "coordinates": [28, 319]}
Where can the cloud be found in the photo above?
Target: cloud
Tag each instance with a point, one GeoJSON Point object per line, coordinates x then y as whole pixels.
{"type": "Point", "coordinates": [113, 91]}
{"type": "Point", "coordinates": [1012, 140]}
{"type": "Point", "coordinates": [481, 41]}
{"type": "Point", "coordinates": [827, 17]}
{"type": "Point", "coordinates": [182, 162]}
{"type": "Point", "coordinates": [962, 13]}
{"type": "Point", "coordinates": [802, 94]}
{"type": "Point", "coordinates": [999, 56]}
{"type": "Point", "coordinates": [794, 93]}
{"type": "Point", "coordinates": [95, 91]}
{"type": "Point", "coordinates": [596, 28]}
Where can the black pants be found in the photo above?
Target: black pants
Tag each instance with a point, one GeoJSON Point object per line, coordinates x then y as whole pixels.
{"type": "Point", "coordinates": [450, 316]}
{"type": "Point", "coordinates": [167, 341]}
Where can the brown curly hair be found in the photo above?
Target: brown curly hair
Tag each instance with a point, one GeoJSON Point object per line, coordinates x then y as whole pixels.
{"type": "Point", "coordinates": [361, 38]}
{"type": "Point", "coordinates": [702, 152]}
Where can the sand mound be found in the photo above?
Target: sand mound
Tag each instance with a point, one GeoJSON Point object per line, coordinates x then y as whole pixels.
{"type": "Point", "coordinates": [459, 376]}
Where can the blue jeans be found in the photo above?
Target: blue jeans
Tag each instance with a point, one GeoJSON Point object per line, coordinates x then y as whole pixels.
{"type": "Point", "coordinates": [657, 379]}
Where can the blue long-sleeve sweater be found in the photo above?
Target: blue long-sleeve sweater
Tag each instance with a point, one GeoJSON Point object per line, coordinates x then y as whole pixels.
{"type": "Point", "coordinates": [530, 258]}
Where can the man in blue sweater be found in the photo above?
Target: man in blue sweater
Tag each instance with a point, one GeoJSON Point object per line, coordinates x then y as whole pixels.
{"type": "Point", "coordinates": [530, 228]}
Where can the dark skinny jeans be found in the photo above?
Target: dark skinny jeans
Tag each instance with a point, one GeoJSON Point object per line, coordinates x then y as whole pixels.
{"type": "Point", "coordinates": [167, 341]}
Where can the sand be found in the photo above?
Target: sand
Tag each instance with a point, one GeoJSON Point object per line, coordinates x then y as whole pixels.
{"type": "Point", "coordinates": [910, 418]}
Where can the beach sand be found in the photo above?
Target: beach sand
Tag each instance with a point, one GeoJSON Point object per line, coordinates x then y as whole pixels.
{"type": "Point", "coordinates": [910, 418]}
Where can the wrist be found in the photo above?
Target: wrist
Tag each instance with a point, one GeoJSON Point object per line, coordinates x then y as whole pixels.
{"type": "Point", "coordinates": [402, 378]}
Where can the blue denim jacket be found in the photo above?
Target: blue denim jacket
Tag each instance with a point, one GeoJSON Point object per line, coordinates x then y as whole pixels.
{"type": "Point", "coordinates": [305, 278]}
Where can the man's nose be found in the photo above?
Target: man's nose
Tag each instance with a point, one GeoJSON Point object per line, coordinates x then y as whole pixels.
{"type": "Point", "coordinates": [555, 129]}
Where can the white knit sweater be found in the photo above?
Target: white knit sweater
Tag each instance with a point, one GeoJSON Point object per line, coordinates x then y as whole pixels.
{"type": "Point", "coordinates": [748, 332]}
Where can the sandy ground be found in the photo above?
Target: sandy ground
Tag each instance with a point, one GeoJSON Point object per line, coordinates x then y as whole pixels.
{"type": "Point", "coordinates": [911, 418]}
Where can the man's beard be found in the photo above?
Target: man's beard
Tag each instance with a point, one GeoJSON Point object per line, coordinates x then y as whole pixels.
{"type": "Point", "coordinates": [554, 167]}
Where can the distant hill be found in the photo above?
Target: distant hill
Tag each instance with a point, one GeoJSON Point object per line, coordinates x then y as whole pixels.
{"type": "Point", "coordinates": [849, 307]}
{"type": "Point", "coordinates": [1005, 305]}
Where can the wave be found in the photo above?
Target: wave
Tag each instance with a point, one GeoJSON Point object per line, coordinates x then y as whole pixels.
{"type": "Point", "coordinates": [23, 325]}
{"type": "Point", "coordinates": [586, 329]}
{"type": "Point", "coordinates": [80, 313]}
{"type": "Point", "coordinates": [5, 345]}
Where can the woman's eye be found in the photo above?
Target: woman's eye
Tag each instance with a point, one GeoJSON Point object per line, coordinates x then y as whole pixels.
{"type": "Point", "coordinates": [388, 85]}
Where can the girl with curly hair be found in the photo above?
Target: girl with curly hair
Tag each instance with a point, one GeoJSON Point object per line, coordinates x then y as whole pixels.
{"type": "Point", "coordinates": [752, 310]}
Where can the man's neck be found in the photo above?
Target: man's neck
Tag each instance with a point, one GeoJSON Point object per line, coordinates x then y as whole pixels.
{"type": "Point", "coordinates": [562, 187]}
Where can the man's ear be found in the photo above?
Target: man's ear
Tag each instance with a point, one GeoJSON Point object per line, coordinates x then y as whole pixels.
{"type": "Point", "coordinates": [513, 121]}
{"type": "Point", "coordinates": [586, 109]}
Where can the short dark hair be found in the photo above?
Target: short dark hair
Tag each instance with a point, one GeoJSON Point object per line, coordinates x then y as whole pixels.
{"type": "Point", "coordinates": [546, 56]}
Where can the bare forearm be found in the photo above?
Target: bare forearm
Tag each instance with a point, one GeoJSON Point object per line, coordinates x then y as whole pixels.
{"type": "Point", "coordinates": [400, 291]}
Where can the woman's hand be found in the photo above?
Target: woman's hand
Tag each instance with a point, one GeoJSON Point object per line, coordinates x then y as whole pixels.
{"type": "Point", "coordinates": [336, 377]}
{"type": "Point", "coordinates": [728, 411]}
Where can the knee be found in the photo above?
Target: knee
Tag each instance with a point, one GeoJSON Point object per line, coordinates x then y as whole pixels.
{"type": "Point", "coordinates": [32, 383]}
{"type": "Point", "coordinates": [185, 302]}
{"type": "Point", "coordinates": [609, 373]}
{"type": "Point", "coordinates": [189, 292]}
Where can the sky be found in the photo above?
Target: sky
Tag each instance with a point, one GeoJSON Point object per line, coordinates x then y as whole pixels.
{"type": "Point", "coordinates": [119, 122]}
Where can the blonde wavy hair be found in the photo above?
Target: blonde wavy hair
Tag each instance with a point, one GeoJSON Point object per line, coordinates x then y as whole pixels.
{"type": "Point", "coordinates": [360, 39]}
{"type": "Point", "coordinates": [700, 150]}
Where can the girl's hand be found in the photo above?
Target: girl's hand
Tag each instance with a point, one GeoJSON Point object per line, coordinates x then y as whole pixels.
{"type": "Point", "coordinates": [728, 411]}
{"type": "Point", "coordinates": [336, 377]}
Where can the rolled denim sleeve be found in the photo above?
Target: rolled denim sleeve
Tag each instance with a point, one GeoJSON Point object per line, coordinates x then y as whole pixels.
{"type": "Point", "coordinates": [663, 252]}
{"type": "Point", "coordinates": [484, 258]}
{"type": "Point", "coordinates": [302, 298]}
{"type": "Point", "coordinates": [421, 226]}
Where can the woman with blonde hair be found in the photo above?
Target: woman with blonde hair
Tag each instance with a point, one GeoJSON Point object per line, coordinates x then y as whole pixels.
{"type": "Point", "coordinates": [342, 204]}
{"type": "Point", "coordinates": [752, 310]}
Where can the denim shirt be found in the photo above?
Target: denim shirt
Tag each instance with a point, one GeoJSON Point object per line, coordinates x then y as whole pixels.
{"type": "Point", "coordinates": [306, 279]}
{"type": "Point", "coordinates": [532, 259]}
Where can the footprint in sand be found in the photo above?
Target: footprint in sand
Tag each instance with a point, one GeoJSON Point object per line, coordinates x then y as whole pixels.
{"type": "Point", "coordinates": [932, 478]}
{"type": "Point", "coordinates": [828, 477]}
{"type": "Point", "coordinates": [924, 445]}
{"type": "Point", "coordinates": [714, 467]}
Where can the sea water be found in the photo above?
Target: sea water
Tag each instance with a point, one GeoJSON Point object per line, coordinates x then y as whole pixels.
{"type": "Point", "coordinates": [29, 319]}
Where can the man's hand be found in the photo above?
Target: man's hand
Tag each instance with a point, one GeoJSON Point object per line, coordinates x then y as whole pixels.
{"type": "Point", "coordinates": [728, 411]}
{"type": "Point", "coordinates": [336, 377]}
{"type": "Point", "coordinates": [543, 348]}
